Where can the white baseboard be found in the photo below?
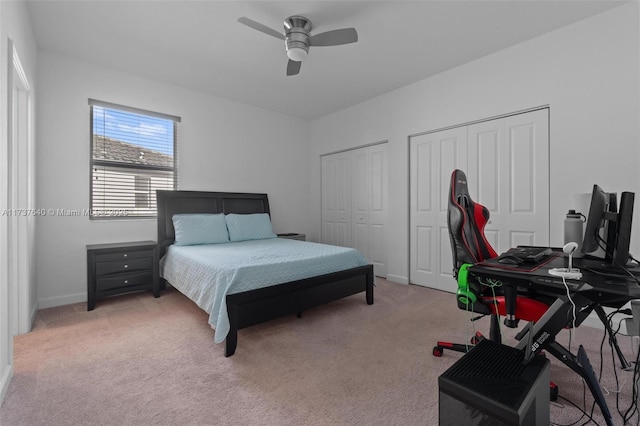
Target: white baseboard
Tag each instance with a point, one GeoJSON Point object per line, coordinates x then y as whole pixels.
{"type": "Point", "coordinates": [397, 279]}
{"type": "Point", "coordinates": [7, 374]}
{"type": "Point", "coordinates": [50, 302]}
{"type": "Point", "coordinates": [34, 312]}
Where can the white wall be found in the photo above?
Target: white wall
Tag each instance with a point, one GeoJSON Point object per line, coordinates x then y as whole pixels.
{"type": "Point", "coordinates": [14, 25]}
{"type": "Point", "coordinates": [223, 146]}
{"type": "Point", "coordinates": [588, 73]}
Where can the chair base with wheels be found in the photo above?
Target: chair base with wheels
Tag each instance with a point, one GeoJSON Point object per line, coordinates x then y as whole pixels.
{"type": "Point", "coordinates": [438, 349]}
{"type": "Point", "coordinates": [529, 310]}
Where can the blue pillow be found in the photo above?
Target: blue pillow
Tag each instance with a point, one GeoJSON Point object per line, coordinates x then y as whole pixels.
{"type": "Point", "coordinates": [194, 229]}
{"type": "Point", "coordinates": [243, 227]}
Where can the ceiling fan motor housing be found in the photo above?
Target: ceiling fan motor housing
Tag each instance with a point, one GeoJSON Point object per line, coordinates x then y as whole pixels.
{"type": "Point", "coordinates": [297, 30]}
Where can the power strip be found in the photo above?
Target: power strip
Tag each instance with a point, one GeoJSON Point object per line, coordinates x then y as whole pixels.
{"type": "Point", "coordinates": [572, 273]}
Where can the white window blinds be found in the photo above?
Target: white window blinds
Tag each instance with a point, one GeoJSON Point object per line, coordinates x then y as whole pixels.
{"type": "Point", "coordinates": [133, 153]}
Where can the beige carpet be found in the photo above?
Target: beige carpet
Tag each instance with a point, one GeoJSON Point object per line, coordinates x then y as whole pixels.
{"type": "Point", "coordinates": [136, 360]}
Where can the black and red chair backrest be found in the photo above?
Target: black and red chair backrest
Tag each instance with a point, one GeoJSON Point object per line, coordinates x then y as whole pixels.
{"type": "Point", "coordinates": [466, 220]}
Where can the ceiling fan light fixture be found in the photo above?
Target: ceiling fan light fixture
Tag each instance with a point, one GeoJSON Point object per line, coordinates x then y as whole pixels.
{"type": "Point", "coordinates": [296, 54]}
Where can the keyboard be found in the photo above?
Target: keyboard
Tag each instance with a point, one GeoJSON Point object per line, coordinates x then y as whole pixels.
{"type": "Point", "coordinates": [530, 254]}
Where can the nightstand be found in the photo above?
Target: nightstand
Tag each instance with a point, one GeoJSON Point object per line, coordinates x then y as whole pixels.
{"type": "Point", "coordinates": [293, 236]}
{"type": "Point", "coordinates": [118, 268]}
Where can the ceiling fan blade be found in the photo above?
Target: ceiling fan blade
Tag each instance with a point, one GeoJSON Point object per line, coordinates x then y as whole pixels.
{"type": "Point", "coordinates": [293, 67]}
{"type": "Point", "coordinates": [262, 28]}
{"type": "Point", "coordinates": [334, 37]}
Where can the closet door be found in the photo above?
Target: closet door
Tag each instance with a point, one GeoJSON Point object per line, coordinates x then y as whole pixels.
{"type": "Point", "coordinates": [360, 200]}
{"type": "Point", "coordinates": [507, 166]}
{"type": "Point", "coordinates": [508, 172]}
{"type": "Point", "coordinates": [336, 199]}
{"type": "Point", "coordinates": [369, 204]}
{"type": "Point", "coordinates": [354, 202]}
{"type": "Point", "coordinates": [433, 156]}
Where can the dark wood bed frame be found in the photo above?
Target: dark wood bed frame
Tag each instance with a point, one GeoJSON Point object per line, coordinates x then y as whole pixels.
{"type": "Point", "coordinates": [263, 304]}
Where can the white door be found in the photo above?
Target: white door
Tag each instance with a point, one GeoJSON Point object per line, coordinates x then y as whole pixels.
{"type": "Point", "coordinates": [360, 200]}
{"type": "Point", "coordinates": [507, 168]}
{"type": "Point", "coordinates": [433, 156]}
{"type": "Point", "coordinates": [354, 202]}
{"type": "Point", "coordinates": [378, 208]}
{"type": "Point", "coordinates": [508, 172]}
{"type": "Point", "coordinates": [336, 199]}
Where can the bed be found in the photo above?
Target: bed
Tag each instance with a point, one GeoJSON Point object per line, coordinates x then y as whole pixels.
{"type": "Point", "coordinates": [243, 308]}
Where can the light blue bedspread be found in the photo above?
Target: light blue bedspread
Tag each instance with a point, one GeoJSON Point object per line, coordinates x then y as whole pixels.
{"type": "Point", "coordinates": [207, 273]}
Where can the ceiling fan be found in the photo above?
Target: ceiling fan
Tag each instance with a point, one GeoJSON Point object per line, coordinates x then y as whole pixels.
{"type": "Point", "coordinates": [297, 38]}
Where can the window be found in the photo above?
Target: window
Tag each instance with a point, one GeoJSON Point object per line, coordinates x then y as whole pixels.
{"type": "Point", "coordinates": [133, 154]}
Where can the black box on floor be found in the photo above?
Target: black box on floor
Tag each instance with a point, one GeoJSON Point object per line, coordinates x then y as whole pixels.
{"type": "Point", "coordinates": [491, 385]}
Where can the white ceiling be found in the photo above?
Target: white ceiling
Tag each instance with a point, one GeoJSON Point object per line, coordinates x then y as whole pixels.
{"type": "Point", "coordinates": [200, 44]}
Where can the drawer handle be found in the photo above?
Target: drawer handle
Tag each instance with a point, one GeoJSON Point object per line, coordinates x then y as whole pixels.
{"type": "Point", "coordinates": [126, 266]}
{"type": "Point", "coordinates": [125, 255]}
{"type": "Point", "coordinates": [126, 281]}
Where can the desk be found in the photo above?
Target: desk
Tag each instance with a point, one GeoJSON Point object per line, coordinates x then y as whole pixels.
{"type": "Point", "coordinates": [589, 294]}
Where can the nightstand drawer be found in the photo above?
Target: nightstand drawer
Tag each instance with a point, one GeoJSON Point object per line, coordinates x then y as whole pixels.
{"type": "Point", "coordinates": [124, 280]}
{"type": "Point", "coordinates": [124, 255]}
{"type": "Point", "coordinates": [132, 264]}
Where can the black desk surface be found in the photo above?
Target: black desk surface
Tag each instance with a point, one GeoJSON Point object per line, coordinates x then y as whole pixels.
{"type": "Point", "coordinates": [612, 290]}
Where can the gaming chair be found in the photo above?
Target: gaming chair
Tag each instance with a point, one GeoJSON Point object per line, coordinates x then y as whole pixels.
{"type": "Point", "coordinates": [466, 220]}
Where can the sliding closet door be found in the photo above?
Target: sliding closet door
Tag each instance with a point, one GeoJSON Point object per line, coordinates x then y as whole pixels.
{"type": "Point", "coordinates": [507, 166]}
{"type": "Point", "coordinates": [433, 156]}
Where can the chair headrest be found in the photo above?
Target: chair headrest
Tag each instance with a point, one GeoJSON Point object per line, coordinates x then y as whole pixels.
{"type": "Point", "coordinates": [459, 189]}
{"type": "Point", "coordinates": [466, 221]}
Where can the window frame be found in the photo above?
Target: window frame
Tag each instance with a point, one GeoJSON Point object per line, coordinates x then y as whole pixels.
{"type": "Point", "coordinates": [114, 213]}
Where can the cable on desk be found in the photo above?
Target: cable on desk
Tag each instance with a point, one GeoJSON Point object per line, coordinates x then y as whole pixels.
{"type": "Point", "coordinates": [633, 409]}
{"type": "Point", "coordinates": [573, 309]}
{"type": "Point", "coordinates": [613, 359]}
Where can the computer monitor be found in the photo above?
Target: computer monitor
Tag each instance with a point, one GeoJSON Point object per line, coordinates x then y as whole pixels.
{"type": "Point", "coordinates": [604, 213]}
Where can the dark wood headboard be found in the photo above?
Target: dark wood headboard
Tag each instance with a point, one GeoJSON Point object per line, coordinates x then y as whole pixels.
{"type": "Point", "coordinates": [176, 202]}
